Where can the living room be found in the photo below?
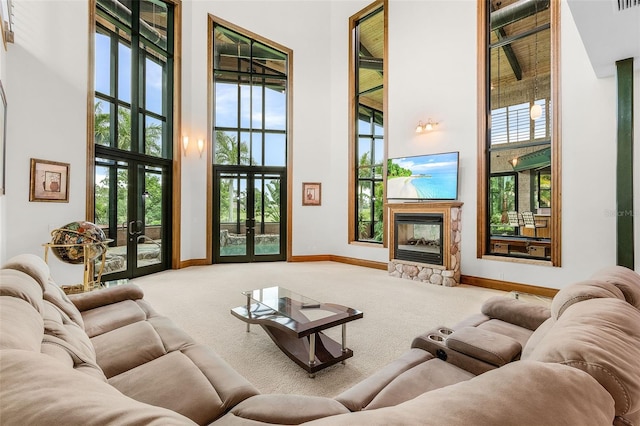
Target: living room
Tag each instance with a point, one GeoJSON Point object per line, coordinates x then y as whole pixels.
{"type": "Point", "coordinates": [39, 67]}
{"type": "Point", "coordinates": [115, 334]}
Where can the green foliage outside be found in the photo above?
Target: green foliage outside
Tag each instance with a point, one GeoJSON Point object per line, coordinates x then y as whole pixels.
{"type": "Point", "coordinates": [230, 152]}
{"type": "Point", "coordinates": [502, 196]}
{"type": "Point", "coordinates": [365, 231]}
{"type": "Point", "coordinates": [153, 183]}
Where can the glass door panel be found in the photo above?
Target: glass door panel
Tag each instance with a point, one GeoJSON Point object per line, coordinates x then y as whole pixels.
{"type": "Point", "coordinates": [267, 214]}
{"type": "Point", "coordinates": [149, 229]}
{"type": "Point", "coordinates": [232, 214]}
{"type": "Point", "coordinates": [111, 212]}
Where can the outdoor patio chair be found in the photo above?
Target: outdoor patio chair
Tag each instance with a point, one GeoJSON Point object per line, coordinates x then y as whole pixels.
{"type": "Point", "coordinates": [530, 223]}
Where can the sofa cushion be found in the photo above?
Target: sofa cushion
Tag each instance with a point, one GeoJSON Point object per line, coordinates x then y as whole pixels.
{"type": "Point", "coordinates": [55, 295]}
{"type": "Point", "coordinates": [38, 390]}
{"type": "Point", "coordinates": [19, 285]}
{"type": "Point", "coordinates": [38, 270]}
{"type": "Point", "coordinates": [515, 311]}
{"type": "Point", "coordinates": [515, 332]}
{"type": "Point", "coordinates": [107, 296]}
{"type": "Point", "coordinates": [21, 326]}
{"type": "Point", "coordinates": [424, 377]}
{"type": "Point", "coordinates": [493, 348]}
{"type": "Point", "coordinates": [359, 396]}
{"type": "Point", "coordinates": [194, 382]}
{"type": "Point", "coordinates": [58, 324]}
{"type": "Point", "coordinates": [31, 265]}
{"type": "Point", "coordinates": [283, 409]}
{"type": "Point", "coordinates": [110, 317]}
{"type": "Point", "coordinates": [127, 347]}
{"type": "Point", "coordinates": [70, 356]}
{"type": "Point", "coordinates": [625, 279]}
{"type": "Point", "coordinates": [537, 337]}
{"type": "Point", "coordinates": [580, 291]}
{"type": "Point", "coordinates": [517, 394]}
{"type": "Point", "coordinates": [599, 336]}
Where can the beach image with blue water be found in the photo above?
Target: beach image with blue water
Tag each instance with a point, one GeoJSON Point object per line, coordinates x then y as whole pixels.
{"type": "Point", "coordinates": [432, 177]}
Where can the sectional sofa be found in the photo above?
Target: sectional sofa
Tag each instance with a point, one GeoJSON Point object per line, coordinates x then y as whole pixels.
{"type": "Point", "coordinates": [106, 357]}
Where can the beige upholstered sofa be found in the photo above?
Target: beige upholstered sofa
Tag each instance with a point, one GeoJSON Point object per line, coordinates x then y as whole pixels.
{"type": "Point", "coordinates": [106, 357]}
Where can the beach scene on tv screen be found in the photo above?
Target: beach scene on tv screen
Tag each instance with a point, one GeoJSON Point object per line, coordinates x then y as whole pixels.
{"type": "Point", "coordinates": [425, 177]}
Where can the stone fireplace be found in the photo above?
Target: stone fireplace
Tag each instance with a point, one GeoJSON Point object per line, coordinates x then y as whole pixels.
{"type": "Point", "coordinates": [425, 241]}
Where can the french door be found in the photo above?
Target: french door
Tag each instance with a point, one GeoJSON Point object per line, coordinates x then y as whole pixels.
{"type": "Point", "coordinates": [249, 214]}
{"type": "Point", "coordinates": [132, 199]}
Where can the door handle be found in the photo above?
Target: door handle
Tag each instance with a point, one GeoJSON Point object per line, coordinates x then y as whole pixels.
{"type": "Point", "coordinates": [135, 227]}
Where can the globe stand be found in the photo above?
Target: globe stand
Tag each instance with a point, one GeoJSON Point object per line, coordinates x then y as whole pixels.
{"type": "Point", "coordinates": [88, 281]}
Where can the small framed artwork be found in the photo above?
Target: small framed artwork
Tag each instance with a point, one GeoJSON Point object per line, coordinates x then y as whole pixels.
{"type": "Point", "coordinates": [49, 181]}
{"type": "Point", "coordinates": [311, 193]}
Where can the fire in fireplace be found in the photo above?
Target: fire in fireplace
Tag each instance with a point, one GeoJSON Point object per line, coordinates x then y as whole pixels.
{"type": "Point", "coordinates": [418, 237]}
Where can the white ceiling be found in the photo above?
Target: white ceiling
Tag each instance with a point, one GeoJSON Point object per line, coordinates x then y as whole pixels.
{"type": "Point", "coordinates": [608, 35]}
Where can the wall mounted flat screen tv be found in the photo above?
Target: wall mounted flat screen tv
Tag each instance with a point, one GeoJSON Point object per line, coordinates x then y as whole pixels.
{"type": "Point", "coordinates": [423, 177]}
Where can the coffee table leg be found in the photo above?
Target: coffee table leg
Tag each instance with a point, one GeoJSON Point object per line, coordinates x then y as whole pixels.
{"type": "Point", "coordinates": [312, 352]}
{"type": "Point", "coordinates": [344, 340]}
{"type": "Point", "coordinates": [248, 310]}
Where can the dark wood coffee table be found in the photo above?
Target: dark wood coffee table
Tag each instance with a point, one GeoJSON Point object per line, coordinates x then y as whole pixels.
{"type": "Point", "coordinates": [294, 322]}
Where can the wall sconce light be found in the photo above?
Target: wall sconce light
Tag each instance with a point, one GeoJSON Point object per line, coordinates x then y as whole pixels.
{"type": "Point", "coordinates": [185, 145]}
{"type": "Point", "coordinates": [200, 146]}
{"type": "Point", "coordinates": [514, 161]}
{"type": "Point", "coordinates": [429, 126]}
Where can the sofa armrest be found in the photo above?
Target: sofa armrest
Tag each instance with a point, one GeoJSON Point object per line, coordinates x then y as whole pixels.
{"type": "Point", "coordinates": [493, 348]}
{"type": "Point", "coordinates": [107, 296]}
{"type": "Point", "coordinates": [515, 311]}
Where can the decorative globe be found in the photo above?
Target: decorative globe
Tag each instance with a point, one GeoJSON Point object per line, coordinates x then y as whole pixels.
{"type": "Point", "coordinates": [77, 233]}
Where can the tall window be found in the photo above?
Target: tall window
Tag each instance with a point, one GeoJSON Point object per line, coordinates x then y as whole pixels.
{"type": "Point", "coordinates": [250, 129]}
{"type": "Point", "coordinates": [133, 132]}
{"type": "Point", "coordinates": [368, 149]}
{"type": "Point", "coordinates": [519, 140]}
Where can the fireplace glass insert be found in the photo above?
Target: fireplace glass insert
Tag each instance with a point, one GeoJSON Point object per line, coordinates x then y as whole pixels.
{"type": "Point", "coordinates": [418, 238]}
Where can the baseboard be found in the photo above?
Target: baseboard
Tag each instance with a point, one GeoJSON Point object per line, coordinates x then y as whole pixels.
{"type": "Point", "coordinates": [464, 279]}
{"type": "Point", "coordinates": [340, 259]}
{"type": "Point", "coordinates": [508, 286]}
{"type": "Point", "coordinates": [193, 262]}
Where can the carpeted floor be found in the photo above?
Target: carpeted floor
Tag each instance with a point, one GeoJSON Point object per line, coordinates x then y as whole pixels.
{"type": "Point", "coordinates": [199, 300]}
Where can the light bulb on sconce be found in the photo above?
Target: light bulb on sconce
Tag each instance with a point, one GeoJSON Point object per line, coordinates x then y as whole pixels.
{"type": "Point", "coordinates": [185, 145]}
{"type": "Point", "coordinates": [514, 162]}
{"type": "Point", "coordinates": [429, 126]}
{"type": "Point", "coordinates": [200, 146]}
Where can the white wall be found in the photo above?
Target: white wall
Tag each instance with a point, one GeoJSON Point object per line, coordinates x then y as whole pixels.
{"type": "Point", "coordinates": [432, 73]}
{"type": "Point", "coordinates": [46, 86]}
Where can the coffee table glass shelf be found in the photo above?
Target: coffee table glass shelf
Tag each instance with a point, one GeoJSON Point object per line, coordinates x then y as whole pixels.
{"type": "Point", "coordinates": [295, 323]}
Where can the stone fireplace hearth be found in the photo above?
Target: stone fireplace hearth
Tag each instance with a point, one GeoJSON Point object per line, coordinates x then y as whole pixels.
{"type": "Point", "coordinates": [424, 241]}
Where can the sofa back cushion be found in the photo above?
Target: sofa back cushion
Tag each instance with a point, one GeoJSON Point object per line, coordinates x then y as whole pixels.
{"type": "Point", "coordinates": [21, 325]}
{"type": "Point", "coordinates": [37, 389]}
{"type": "Point", "coordinates": [581, 291]}
{"type": "Point", "coordinates": [625, 279]}
{"type": "Point", "coordinates": [37, 269]}
{"type": "Point", "coordinates": [601, 337]}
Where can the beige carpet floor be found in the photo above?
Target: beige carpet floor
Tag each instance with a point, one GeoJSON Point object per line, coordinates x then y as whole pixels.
{"type": "Point", "coordinates": [199, 300]}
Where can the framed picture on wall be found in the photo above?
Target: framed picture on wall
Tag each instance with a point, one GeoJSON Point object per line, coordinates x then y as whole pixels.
{"type": "Point", "coordinates": [311, 193]}
{"type": "Point", "coordinates": [49, 181]}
